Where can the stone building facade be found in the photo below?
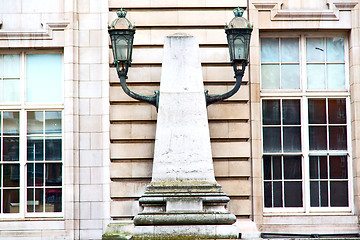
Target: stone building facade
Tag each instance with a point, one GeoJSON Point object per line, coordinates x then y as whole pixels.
{"type": "Point", "coordinates": [76, 155]}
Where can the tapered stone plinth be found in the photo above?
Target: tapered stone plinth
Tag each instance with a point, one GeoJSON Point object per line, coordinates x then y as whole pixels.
{"type": "Point", "coordinates": [183, 200]}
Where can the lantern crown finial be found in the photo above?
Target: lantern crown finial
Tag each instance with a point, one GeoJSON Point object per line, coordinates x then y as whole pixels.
{"type": "Point", "coordinates": [238, 12]}
{"type": "Point", "coordinates": [121, 13]}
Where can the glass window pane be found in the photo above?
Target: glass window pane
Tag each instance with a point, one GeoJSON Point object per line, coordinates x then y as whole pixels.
{"type": "Point", "coordinates": [315, 50]}
{"type": "Point", "coordinates": [53, 149]}
{"type": "Point", "coordinates": [270, 76]}
{"type": "Point", "coordinates": [35, 122]}
{"type": "Point", "coordinates": [335, 49]}
{"type": "Point", "coordinates": [53, 200]}
{"type": "Point", "coordinates": [293, 194]}
{"type": "Point", "coordinates": [316, 76]}
{"type": "Point", "coordinates": [337, 111]}
{"type": "Point", "coordinates": [292, 167]}
{"type": "Point", "coordinates": [292, 139]}
{"type": "Point", "coordinates": [30, 200]}
{"type": "Point", "coordinates": [1, 68]}
{"type": "Point", "coordinates": [338, 167]}
{"type": "Point", "coordinates": [30, 174]}
{"type": "Point", "coordinates": [339, 194]}
{"type": "Point", "coordinates": [291, 112]}
{"type": "Point", "coordinates": [11, 201]}
{"type": "Point", "coordinates": [267, 167]}
{"type": "Point", "coordinates": [39, 200]}
{"type": "Point", "coordinates": [277, 169]}
{"type": "Point", "coordinates": [317, 138]}
{"type": "Point", "coordinates": [12, 66]}
{"type": "Point", "coordinates": [277, 194]}
{"type": "Point", "coordinates": [267, 194]}
{"type": "Point", "coordinates": [317, 111]}
{"type": "Point", "coordinates": [52, 122]}
{"type": "Point", "coordinates": [323, 167]}
{"type": "Point", "coordinates": [11, 175]}
{"type": "Point", "coordinates": [11, 149]}
{"type": "Point", "coordinates": [314, 167]}
{"type": "Point", "coordinates": [324, 194]}
{"type": "Point", "coordinates": [337, 138]}
{"type": "Point", "coordinates": [272, 139]}
{"type": "Point", "coordinates": [11, 90]}
{"type": "Point", "coordinates": [11, 123]}
{"type": "Point", "coordinates": [289, 50]}
{"type": "Point", "coordinates": [35, 149]}
{"type": "Point", "coordinates": [53, 174]}
{"type": "Point", "coordinates": [314, 194]}
{"type": "Point", "coordinates": [290, 76]}
{"type": "Point", "coordinates": [44, 78]}
{"type": "Point", "coordinates": [335, 76]}
{"type": "Point", "coordinates": [39, 174]}
{"type": "Point", "coordinates": [271, 112]}
{"type": "Point", "coordinates": [269, 50]}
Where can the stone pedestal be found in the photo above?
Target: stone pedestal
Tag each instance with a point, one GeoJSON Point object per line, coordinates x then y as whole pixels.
{"type": "Point", "coordinates": [183, 200]}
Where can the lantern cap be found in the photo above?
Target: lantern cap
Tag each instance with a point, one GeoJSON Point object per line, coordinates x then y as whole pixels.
{"type": "Point", "coordinates": [238, 21]}
{"type": "Point", "coordinates": [121, 22]}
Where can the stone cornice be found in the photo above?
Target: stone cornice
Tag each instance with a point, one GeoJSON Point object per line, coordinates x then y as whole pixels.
{"type": "Point", "coordinates": [279, 14]}
{"type": "Point", "coordinates": [45, 34]}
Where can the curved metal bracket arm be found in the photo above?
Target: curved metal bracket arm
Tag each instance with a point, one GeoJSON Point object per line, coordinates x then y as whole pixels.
{"type": "Point", "coordinates": [239, 73]}
{"type": "Point", "coordinates": [153, 99]}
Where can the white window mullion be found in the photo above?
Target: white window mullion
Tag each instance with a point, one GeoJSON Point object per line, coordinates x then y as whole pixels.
{"type": "Point", "coordinates": [22, 157]}
{"type": "Point", "coordinates": [305, 153]}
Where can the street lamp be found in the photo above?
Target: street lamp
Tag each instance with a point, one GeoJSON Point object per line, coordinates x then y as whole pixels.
{"type": "Point", "coordinates": [238, 36]}
{"type": "Point", "coordinates": [121, 33]}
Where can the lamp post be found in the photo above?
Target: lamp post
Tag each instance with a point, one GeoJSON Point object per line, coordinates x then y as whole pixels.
{"type": "Point", "coordinates": [238, 33]}
{"type": "Point", "coordinates": [121, 33]}
{"type": "Point", "coordinates": [238, 36]}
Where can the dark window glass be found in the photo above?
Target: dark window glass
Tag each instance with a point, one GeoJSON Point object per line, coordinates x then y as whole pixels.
{"type": "Point", "coordinates": [292, 167]}
{"type": "Point", "coordinates": [271, 112]}
{"type": "Point", "coordinates": [317, 111]}
{"type": "Point", "coordinates": [317, 138]}
{"type": "Point", "coordinates": [268, 194]}
{"type": "Point", "coordinates": [338, 167]}
{"type": "Point", "coordinates": [292, 139]}
{"type": "Point", "coordinates": [267, 167]}
{"type": "Point", "coordinates": [35, 149]}
{"type": "Point", "coordinates": [324, 193]}
{"type": "Point", "coordinates": [337, 111]}
{"type": "Point", "coordinates": [278, 194]}
{"type": "Point", "coordinates": [277, 167]}
{"type": "Point", "coordinates": [339, 194]}
{"type": "Point", "coordinates": [337, 138]}
{"type": "Point", "coordinates": [53, 174]}
{"type": "Point", "coordinates": [11, 201]}
{"type": "Point", "coordinates": [272, 139]}
{"type": "Point", "coordinates": [11, 175]}
{"type": "Point", "coordinates": [293, 194]}
{"type": "Point", "coordinates": [314, 194]}
{"type": "Point", "coordinates": [323, 167]}
{"type": "Point", "coordinates": [53, 199]}
{"type": "Point", "coordinates": [314, 168]}
{"type": "Point", "coordinates": [291, 112]}
{"type": "Point", "coordinates": [52, 149]}
{"type": "Point", "coordinates": [11, 149]}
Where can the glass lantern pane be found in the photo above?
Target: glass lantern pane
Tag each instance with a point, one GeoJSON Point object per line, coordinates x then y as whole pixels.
{"type": "Point", "coordinates": [317, 111]}
{"type": "Point", "coordinates": [270, 76]}
{"type": "Point", "coordinates": [269, 50]}
{"type": "Point", "coordinates": [335, 76]}
{"type": "Point", "coordinates": [316, 76]}
{"type": "Point", "coordinates": [121, 49]}
{"type": "Point", "coordinates": [12, 66]}
{"type": "Point", "coordinates": [315, 50]}
{"type": "Point", "coordinates": [44, 78]}
{"type": "Point", "coordinates": [11, 90]}
{"type": "Point", "coordinates": [290, 76]}
{"type": "Point", "coordinates": [335, 49]}
{"type": "Point", "coordinates": [289, 50]}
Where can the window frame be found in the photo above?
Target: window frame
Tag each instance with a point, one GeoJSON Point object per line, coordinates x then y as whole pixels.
{"type": "Point", "coordinates": [23, 107]}
{"type": "Point", "coordinates": [304, 94]}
